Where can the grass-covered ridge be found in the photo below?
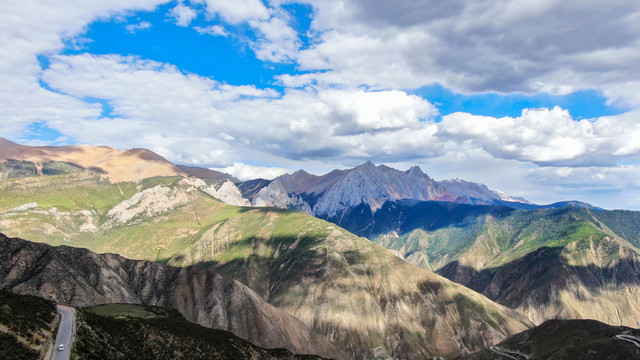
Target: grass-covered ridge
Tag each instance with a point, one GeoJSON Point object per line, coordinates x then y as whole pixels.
{"type": "Point", "coordinates": [496, 241]}
{"type": "Point", "coordinates": [85, 190]}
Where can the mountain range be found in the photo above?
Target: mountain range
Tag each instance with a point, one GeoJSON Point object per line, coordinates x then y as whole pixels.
{"type": "Point", "coordinates": [369, 262]}
{"type": "Point", "coordinates": [328, 196]}
{"type": "Point", "coordinates": [312, 269]}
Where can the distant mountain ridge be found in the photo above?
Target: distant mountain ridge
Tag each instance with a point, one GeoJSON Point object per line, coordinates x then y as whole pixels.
{"type": "Point", "coordinates": [475, 193]}
{"type": "Point", "coordinates": [204, 173]}
{"type": "Point", "coordinates": [116, 165]}
{"type": "Point", "coordinates": [330, 196]}
{"type": "Point", "coordinates": [334, 195]}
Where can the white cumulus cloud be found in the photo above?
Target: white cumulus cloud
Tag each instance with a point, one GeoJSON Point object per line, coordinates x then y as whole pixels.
{"type": "Point", "coordinates": [182, 14]}
{"type": "Point", "coordinates": [248, 172]}
{"type": "Point", "coordinates": [372, 110]}
{"type": "Point", "coordinates": [237, 11]}
{"type": "Point", "coordinates": [549, 137]}
{"type": "Point", "coordinates": [215, 30]}
{"type": "Point", "coordinates": [133, 28]}
{"type": "Point", "coordinates": [30, 28]}
{"type": "Point", "coordinates": [501, 46]}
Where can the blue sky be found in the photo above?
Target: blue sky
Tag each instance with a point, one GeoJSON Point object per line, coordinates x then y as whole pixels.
{"type": "Point", "coordinates": [538, 99]}
{"type": "Point", "coordinates": [233, 62]}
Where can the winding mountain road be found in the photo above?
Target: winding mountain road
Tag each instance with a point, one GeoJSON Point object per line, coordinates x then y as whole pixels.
{"type": "Point", "coordinates": [511, 354]}
{"type": "Point", "coordinates": [632, 339]}
{"type": "Point", "coordinates": [65, 333]}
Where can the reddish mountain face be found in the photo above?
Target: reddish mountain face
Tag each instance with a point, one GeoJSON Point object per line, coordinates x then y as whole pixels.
{"type": "Point", "coordinates": [118, 166]}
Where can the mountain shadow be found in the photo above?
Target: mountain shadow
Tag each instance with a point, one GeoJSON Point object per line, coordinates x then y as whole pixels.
{"type": "Point", "coordinates": [549, 283]}
{"type": "Point", "coordinates": [404, 216]}
{"type": "Point", "coordinates": [354, 292]}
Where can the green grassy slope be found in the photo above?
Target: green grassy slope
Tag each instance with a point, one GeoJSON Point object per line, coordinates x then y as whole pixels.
{"type": "Point", "coordinates": [490, 242]}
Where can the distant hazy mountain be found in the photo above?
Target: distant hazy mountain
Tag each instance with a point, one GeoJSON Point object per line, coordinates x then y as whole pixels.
{"type": "Point", "coordinates": [479, 194]}
{"type": "Point", "coordinates": [332, 196]}
{"type": "Point", "coordinates": [367, 187]}
{"type": "Point", "coordinates": [204, 173]}
{"type": "Point", "coordinates": [373, 186]}
{"type": "Point", "coordinates": [353, 198]}
{"type": "Point", "coordinates": [131, 165]}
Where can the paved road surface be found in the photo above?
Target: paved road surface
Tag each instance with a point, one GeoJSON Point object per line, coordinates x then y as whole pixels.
{"type": "Point", "coordinates": [632, 339]}
{"type": "Point", "coordinates": [511, 354]}
{"type": "Point", "coordinates": [65, 333]}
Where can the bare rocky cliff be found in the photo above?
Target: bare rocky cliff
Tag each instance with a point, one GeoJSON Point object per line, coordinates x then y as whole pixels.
{"type": "Point", "coordinates": [374, 185]}
{"type": "Point", "coordinates": [228, 193]}
{"type": "Point", "coordinates": [275, 195]}
{"type": "Point", "coordinates": [79, 277]}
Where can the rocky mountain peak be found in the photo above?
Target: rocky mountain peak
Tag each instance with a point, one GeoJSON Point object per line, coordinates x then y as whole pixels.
{"type": "Point", "coordinates": [476, 193]}
{"type": "Point", "coordinates": [415, 171]}
{"type": "Point", "coordinates": [275, 195]}
{"type": "Point", "coordinates": [300, 173]}
{"type": "Point", "coordinates": [227, 192]}
{"type": "Point", "coordinates": [366, 166]}
{"type": "Point", "coordinates": [374, 186]}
